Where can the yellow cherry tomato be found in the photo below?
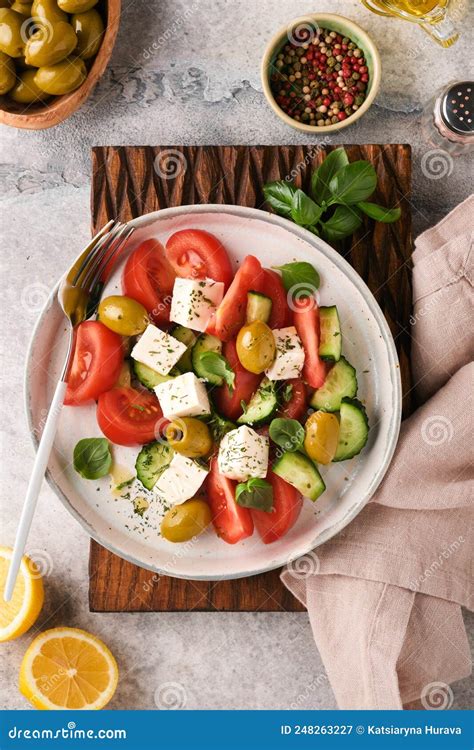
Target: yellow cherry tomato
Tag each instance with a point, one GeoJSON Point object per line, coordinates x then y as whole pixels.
{"type": "Point", "coordinates": [123, 315]}
{"type": "Point", "coordinates": [256, 348]}
{"type": "Point", "coordinates": [183, 522]}
{"type": "Point", "coordinates": [190, 437]}
{"type": "Point", "coordinates": [321, 436]}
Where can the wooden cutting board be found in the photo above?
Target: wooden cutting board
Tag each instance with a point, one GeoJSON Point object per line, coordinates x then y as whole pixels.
{"type": "Point", "coordinates": [131, 181]}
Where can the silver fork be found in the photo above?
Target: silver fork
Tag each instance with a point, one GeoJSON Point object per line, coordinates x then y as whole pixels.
{"type": "Point", "coordinates": [78, 295]}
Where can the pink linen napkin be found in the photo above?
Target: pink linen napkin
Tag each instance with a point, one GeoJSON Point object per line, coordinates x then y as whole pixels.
{"type": "Point", "coordinates": [385, 600]}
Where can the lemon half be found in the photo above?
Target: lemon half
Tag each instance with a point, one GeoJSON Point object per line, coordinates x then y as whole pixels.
{"type": "Point", "coordinates": [68, 668]}
{"type": "Point", "coordinates": [20, 613]}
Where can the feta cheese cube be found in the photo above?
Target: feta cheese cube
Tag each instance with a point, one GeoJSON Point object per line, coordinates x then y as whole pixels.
{"type": "Point", "coordinates": [180, 480]}
{"type": "Point", "coordinates": [243, 453]}
{"type": "Point", "coordinates": [289, 358]}
{"type": "Point", "coordinates": [158, 350]}
{"type": "Point", "coordinates": [194, 302]}
{"type": "Point", "coordinates": [184, 396]}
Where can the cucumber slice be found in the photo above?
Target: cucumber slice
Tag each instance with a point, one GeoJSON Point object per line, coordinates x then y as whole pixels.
{"type": "Point", "coordinates": [206, 343]}
{"type": "Point", "coordinates": [299, 471]}
{"type": "Point", "coordinates": [330, 345]}
{"type": "Point", "coordinates": [188, 337]}
{"type": "Point", "coordinates": [152, 460]}
{"type": "Point", "coordinates": [353, 429]}
{"type": "Point", "coordinates": [341, 382]}
{"type": "Point", "coordinates": [259, 307]}
{"type": "Point", "coordinates": [148, 377]}
{"type": "Point", "coordinates": [262, 406]}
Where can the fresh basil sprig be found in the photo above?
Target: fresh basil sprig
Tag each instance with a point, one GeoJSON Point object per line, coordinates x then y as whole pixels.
{"type": "Point", "coordinates": [300, 275]}
{"type": "Point", "coordinates": [216, 364]}
{"type": "Point", "coordinates": [279, 195]}
{"type": "Point", "coordinates": [92, 458]}
{"type": "Point", "coordinates": [287, 433]}
{"type": "Point", "coordinates": [339, 193]}
{"type": "Point", "coordinates": [323, 175]}
{"type": "Point", "coordinates": [255, 493]}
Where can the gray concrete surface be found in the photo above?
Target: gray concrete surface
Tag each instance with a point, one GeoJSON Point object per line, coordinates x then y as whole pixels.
{"type": "Point", "coordinates": [200, 86]}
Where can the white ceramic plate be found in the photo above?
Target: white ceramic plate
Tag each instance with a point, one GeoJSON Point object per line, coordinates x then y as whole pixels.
{"type": "Point", "coordinates": [368, 344]}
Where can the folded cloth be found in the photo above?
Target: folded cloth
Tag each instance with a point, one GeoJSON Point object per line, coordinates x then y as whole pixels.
{"type": "Point", "coordinates": [385, 598]}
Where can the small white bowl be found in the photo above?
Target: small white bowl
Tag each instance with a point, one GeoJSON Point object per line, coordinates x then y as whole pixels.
{"type": "Point", "coordinates": [343, 26]}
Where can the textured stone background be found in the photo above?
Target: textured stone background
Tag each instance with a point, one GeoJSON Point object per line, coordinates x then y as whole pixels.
{"type": "Point", "coordinates": [201, 86]}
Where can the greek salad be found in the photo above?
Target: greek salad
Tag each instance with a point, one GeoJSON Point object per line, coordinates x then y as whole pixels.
{"type": "Point", "coordinates": [232, 386]}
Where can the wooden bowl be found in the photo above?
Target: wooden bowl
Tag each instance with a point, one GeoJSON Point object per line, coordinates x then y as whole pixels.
{"type": "Point", "coordinates": [58, 108]}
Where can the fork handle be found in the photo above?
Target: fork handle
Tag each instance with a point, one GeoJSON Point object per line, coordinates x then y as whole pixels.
{"type": "Point", "coordinates": [34, 486]}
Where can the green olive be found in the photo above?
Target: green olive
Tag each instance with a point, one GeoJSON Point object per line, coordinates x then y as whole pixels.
{"type": "Point", "coordinates": [123, 315]}
{"type": "Point", "coordinates": [189, 436]}
{"type": "Point", "coordinates": [256, 347]}
{"type": "Point", "coordinates": [89, 29]}
{"type": "Point", "coordinates": [183, 522]}
{"type": "Point", "coordinates": [62, 78]}
{"type": "Point", "coordinates": [50, 44]}
{"type": "Point", "coordinates": [49, 10]}
{"type": "Point", "coordinates": [7, 73]}
{"type": "Point", "coordinates": [26, 91]}
{"type": "Point", "coordinates": [11, 36]}
{"type": "Point", "coordinates": [76, 6]}
{"type": "Point", "coordinates": [23, 8]}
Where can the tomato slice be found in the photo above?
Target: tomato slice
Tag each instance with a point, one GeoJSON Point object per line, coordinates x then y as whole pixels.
{"type": "Point", "coordinates": [296, 406]}
{"type": "Point", "coordinates": [230, 315]}
{"type": "Point", "coordinates": [130, 417]}
{"type": "Point", "coordinates": [228, 403]}
{"type": "Point", "coordinates": [231, 522]}
{"type": "Point", "coordinates": [196, 254]}
{"type": "Point", "coordinates": [287, 504]}
{"type": "Point", "coordinates": [97, 361]}
{"type": "Point", "coordinates": [148, 277]}
{"type": "Point", "coordinates": [272, 286]}
{"type": "Point", "coordinates": [306, 320]}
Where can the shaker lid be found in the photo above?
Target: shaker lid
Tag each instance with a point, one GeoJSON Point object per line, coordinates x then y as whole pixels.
{"type": "Point", "coordinates": [457, 107]}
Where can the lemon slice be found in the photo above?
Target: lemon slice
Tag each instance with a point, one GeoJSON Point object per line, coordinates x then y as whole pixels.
{"type": "Point", "coordinates": [67, 668]}
{"type": "Point", "coordinates": [19, 614]}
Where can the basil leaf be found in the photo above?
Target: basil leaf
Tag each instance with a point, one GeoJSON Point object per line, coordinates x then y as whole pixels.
{"type": "Point", "coordinates": [304, 210]}
{"type": "Point", "coordinates": [353, 183]}
{"type": "Point", "coordinates": [92, 458]}
{"type": "Point", "coordinates": [323, 175]}
{"type": "Point", "coordinates": [342, 223]}
{"type": "Point", "coordinates": [279, 196]}
{"type": "Point", "coordinates": [301, 275]}
{"type": "Point", "coordinates": [220, 426]}
{"type": "Point", "coordinates": [287, 433]}
{"type": "Point", "coordinates": [255, 493]}
{"type": "Point", "coordinates": [216, 364]}
{"type": "Point", "coordinates": [380, 213]}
